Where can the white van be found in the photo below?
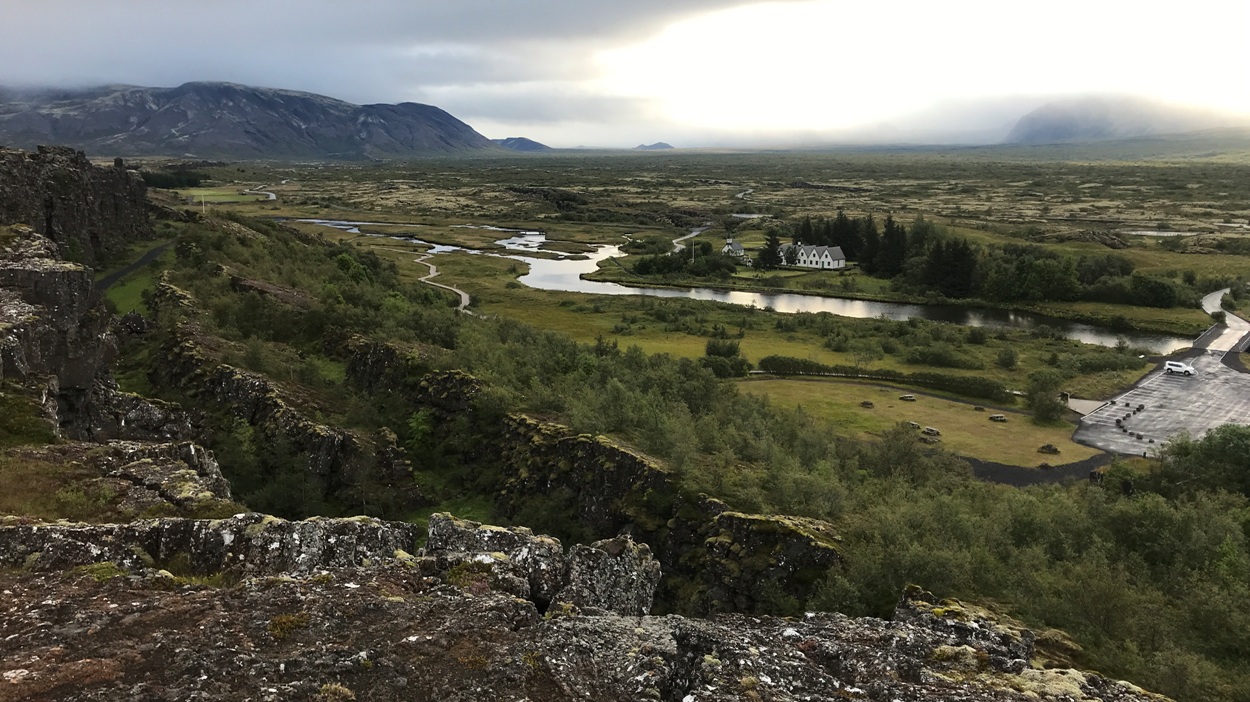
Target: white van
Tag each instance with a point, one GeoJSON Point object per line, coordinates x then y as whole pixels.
{"type": "Point", "coordinates": [1171, 367]}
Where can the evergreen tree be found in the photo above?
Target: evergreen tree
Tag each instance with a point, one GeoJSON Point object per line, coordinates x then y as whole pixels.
{"type": "Point", "coordinates": [805, 234]}
{"type": "Point", "coordinates": [844, 232]}
{"type": "Point", "coordinates": [961, 269]}
{"type": "Point", "coordinates": [871, 243]}
{"type": "Point", "coordinates": [893, 252]}
{"type": "Point", "coordinates": [769, 256]}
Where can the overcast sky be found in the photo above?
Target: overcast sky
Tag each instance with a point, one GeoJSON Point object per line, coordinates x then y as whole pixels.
{"type": "Point", "coordinates": [690, 72]}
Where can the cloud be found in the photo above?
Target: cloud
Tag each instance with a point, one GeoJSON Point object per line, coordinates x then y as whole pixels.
{"type": "Point", "coordinates": [364, 50]}
{"type": "Point", "coordinates": [700, 69]}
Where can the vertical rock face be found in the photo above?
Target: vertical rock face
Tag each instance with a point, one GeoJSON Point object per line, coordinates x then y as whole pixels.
{"type": "Point", "coordinates": [611, 576]}
{"type": "Point", "coordinates": [52, 324]}
{"type": "Point", "coordinates": [616, 575]}
{"type": "Point", "coordinates": [715, 560]}
{"type": "Point", "coordinates": [87, 210]}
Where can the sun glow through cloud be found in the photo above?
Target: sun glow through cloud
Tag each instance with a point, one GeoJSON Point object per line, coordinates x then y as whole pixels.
{"type": "Point", "coordinates": [829, 65]}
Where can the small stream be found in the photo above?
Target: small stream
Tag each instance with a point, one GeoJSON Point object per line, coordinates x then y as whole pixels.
{"type": "Point", "coordinates": [564, 272]}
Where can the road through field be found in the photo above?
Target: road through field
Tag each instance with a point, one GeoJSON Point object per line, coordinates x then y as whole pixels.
{"type": "Point", "coordinates": [1235, 328]}
{"type": "Point", "coordinates": [678, 246]}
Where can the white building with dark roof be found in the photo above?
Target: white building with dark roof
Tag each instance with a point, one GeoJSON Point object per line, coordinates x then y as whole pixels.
{"type": "Point", "coordinates": [822, 257]}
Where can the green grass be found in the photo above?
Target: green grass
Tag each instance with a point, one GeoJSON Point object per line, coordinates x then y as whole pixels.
{"type": "Point", "coordinates": [219, 195]}
{"type": "Point", "coordinates": [132, 253]}
{"type": "Point", "coordinates": [477, 508]}
{"type": "Point", "coordinates": [127, 295]}
{"type": "Point", "coordinates": [964, 430]}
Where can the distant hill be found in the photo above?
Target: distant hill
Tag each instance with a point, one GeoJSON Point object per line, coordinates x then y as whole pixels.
{"type": "Point", "coordinates": [657, 146]}
{"type": "Point", "coordinates": [225, 120]}
{"type": "Point", "coordinates": [521, 144]}
{"type": "Point", "coordinates": [1098, 119]}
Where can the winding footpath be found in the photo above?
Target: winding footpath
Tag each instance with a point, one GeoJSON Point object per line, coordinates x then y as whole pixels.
{"type": "Point", "coordinates": [678, 246]}
{"type": "Point", "coordinates": [423, 259]}
{"type": "Point", "coordinates": [464, 296]}
{"type": "Point", "coordinates": [257, 191]}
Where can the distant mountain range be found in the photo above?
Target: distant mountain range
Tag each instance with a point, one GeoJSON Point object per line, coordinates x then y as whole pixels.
{"type": "Point", "coordinates": [1104, 118]}
{"type": "Point", "coordinates": [230, 121]}
{"type": "Point", "coordinates": [225, 120]}
{"type": "Point", "coordinates": [522, 144]}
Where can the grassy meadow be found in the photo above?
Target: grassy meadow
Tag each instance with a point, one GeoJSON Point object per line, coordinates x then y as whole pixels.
{"type": "Point", "coordinates": [965, 431]}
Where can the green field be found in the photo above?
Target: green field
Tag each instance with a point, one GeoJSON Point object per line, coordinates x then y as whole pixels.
{"type": "Point", "coordinates": [218, 195]}
{"type": "Point", "coordinates": [965, 431]}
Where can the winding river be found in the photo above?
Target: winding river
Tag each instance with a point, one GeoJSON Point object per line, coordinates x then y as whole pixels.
{"type": "Point", "coordinates": [564, 273]}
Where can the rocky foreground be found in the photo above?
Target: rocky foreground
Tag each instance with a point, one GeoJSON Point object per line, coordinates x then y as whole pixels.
{"type": "Point", "coordinates": [331, 609]}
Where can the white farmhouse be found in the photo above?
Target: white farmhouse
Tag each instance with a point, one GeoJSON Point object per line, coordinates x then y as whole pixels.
{"type": "Point", "coordinates": [824, 257]}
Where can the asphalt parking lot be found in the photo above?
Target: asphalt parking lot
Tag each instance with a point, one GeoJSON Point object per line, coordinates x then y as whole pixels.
{"type": "Point", "coordinates": [1172, 403]}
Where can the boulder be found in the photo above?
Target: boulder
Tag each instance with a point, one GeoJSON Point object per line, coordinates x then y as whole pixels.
{"type": "Point", "coordinates": [614, 575]}
{"type": "Point", "coordinates": [538, 560]}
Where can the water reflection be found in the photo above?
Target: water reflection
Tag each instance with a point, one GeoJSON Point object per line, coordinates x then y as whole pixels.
{"type": "Point", "coordinates": [564, 274]}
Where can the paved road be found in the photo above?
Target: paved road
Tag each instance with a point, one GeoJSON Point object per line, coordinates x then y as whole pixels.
{"type": "Point", "coordinates": [1173, 403]}
{"type": "Point", "coordinates": [257, 191]}
{"type": "Point", "coordinates": [107, 281]}
{"type": "Point", "coordinates": [1231, 334]}
{"type": "Point", "coordinates": [1218, 394]}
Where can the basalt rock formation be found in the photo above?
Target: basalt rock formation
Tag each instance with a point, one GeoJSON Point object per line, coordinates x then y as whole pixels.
{"type": "Point", "coordinates": [56, 342]}
{"type": "Point", "coordinates": [88, 211]}
{"type": "Point", "coordinates": [716, 559]}
{"type": "Point", "coordinates": [259, 401]}
{"type": "Point", "coordinates": [338, 610]}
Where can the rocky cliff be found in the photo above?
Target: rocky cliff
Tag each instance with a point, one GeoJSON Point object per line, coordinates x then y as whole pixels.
{"type": "Point", "coordinates": [88, 211]}
{"type": "Point", "coordinates": [333, 453]}
{"type": "Point", "coordinates": [337, 610]}
{"type": "Point", "coordinates": [717, 559]}
{"type": "Point", "coordinates": [56, 346]}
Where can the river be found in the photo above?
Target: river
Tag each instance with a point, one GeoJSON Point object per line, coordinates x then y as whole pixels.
{"type": "Point", "coordinates": [564, 274]}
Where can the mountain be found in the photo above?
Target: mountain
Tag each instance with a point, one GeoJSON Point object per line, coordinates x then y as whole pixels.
{"type": "Point", "coordinates": [1102, 118]}
{"type": "Point", "coordinates": [521, 144]}
{"type": "Point", "coordinates": [657, 146]}
{"type": "Point", "coordinates": [225, 120]}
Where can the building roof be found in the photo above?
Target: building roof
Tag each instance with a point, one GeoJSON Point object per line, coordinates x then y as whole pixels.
{"type": "Point", "coordinates": [835, 252]}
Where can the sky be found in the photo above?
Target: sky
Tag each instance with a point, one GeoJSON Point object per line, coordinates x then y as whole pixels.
{"type": "Point", "coordinates": [689, 72]}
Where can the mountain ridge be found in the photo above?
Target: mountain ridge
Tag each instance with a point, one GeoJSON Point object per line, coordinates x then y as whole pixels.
{"type": "Point", "coordinates": [228, 120]}
{"type": "Point", "coordinates": [1102, 118]}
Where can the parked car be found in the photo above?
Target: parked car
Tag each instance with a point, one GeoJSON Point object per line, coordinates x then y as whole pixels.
{"type": "Point", "coordinates": [1178, 367]}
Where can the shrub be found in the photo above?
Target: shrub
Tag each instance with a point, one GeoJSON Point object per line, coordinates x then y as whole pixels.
{"type": "Point", "coordinates": [1007, 358]}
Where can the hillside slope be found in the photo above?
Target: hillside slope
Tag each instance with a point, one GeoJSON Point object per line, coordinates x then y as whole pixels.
{"type": "Point", "coordinates": [225, 120]}
{"type": "Point", "coordinates": [1097, 119]}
